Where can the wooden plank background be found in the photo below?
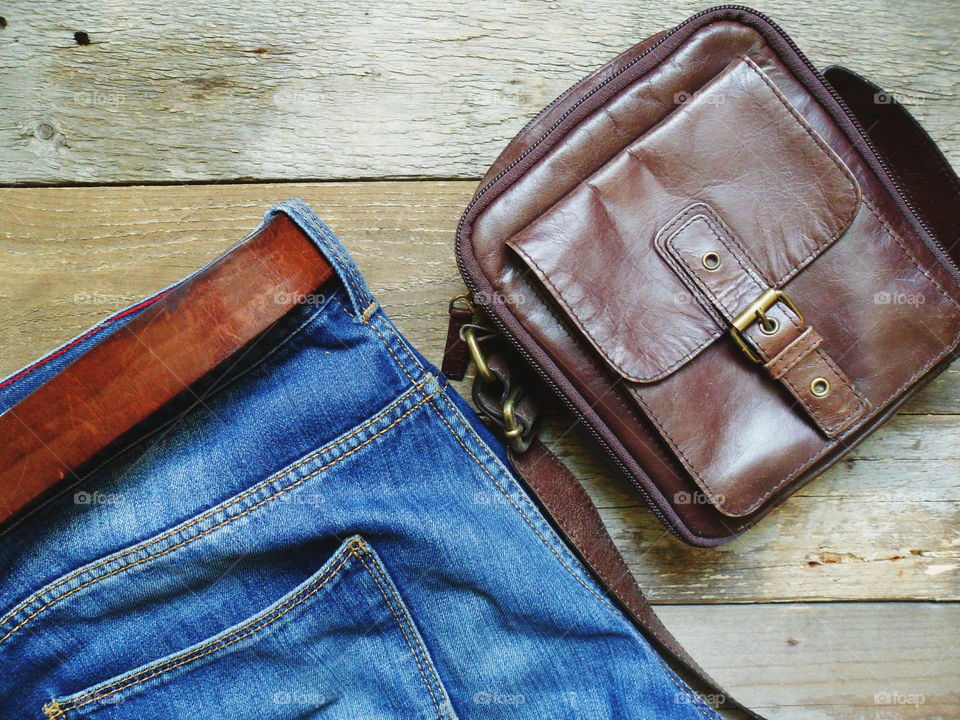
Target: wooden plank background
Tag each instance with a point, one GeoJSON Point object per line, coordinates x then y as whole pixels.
{"type": "Point", "coordinates": [842, 604]}
{"type": "Point", "coordinates": [353, 89]}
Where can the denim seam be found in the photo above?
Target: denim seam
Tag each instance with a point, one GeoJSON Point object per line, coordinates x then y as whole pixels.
{"type": "Point", "coordinates": [397, 344]}
{"type": "Point", "coordinates": [618, 614]}
{"type": "Point", "coordinates": [230, 503]}
{"type": "Point", "coordinates": [301, 211]}
{"type": "Point", "coordinates": [55, 709]}
{"type": "Point", "coordinates": [59, 709]}
{"type": "Point", "coordinates": [695, 699]}
{"type": "Point", "coordinates": [529, 522]}
{"type": "Point", "coordinates": [334, 246]}
{"type": "Point", "coordinates": [357, 549]}
{"type": "Point", "coordinates": [406, 625]}
{"type": "Point", "coordinates": [688, 691]}
{"type": "Point", "coordinates": [390, 346]}
{"type": "Point", "coordinates": [368, 312]}
{"type": "Point", "coordinates": [483, 467]}
{"type": "Point", "coordinates": [207, 513]}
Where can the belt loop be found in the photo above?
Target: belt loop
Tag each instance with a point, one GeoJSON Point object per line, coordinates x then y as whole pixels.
{"type": "Point", "coordinates": [362, 301]}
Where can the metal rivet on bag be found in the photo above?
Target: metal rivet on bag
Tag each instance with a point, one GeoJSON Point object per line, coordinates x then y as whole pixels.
{"type": "Point", "coordinates": [820, 387]}
{"type": "Point", "coordinates": [711, 261]}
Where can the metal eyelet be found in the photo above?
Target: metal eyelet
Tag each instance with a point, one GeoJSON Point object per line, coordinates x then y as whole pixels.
{"type": "Point", "coordinates": [711, 261]}
{"type": "Point", "coordinates": [820, 387]}
{"type": "Point", "coordinates": [767, 324]}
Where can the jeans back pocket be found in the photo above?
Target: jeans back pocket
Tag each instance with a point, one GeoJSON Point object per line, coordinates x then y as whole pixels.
{"type": "Point", "coordinates": [342, 645]}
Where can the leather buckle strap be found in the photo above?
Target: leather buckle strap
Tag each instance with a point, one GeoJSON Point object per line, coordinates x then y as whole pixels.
{"type": "Point", "coordinates": [765, 323]}
{"type": "Point", "coordinates": [757, 312]}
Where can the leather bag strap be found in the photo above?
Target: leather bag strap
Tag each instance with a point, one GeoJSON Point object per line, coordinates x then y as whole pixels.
{"type": "Point", "coordinates": [573, 513]}
{"type": "Point", "coordinates": [910, 154]}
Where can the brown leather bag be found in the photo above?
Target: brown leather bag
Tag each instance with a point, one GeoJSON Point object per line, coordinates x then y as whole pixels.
{"type": "Point", "coordinates": [730, 267]}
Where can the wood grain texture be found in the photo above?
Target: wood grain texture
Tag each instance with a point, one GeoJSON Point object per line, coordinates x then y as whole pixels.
{"type": "Point", "coordinates": [883, 525]}
{"type": "Point", "coordinates": [351, 89]}
{"type": "Point", "coordinates": [346, 89]}
{"type": "Point", "coordinates": [826, 661]}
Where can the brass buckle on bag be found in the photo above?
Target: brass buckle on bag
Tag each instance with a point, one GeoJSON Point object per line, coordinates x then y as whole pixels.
{"type": "Point", "coordinates": [757, 312]}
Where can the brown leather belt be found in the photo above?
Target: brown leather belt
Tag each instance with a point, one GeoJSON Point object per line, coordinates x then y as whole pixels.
{"type": "Point", "coordinates": [180, 336]}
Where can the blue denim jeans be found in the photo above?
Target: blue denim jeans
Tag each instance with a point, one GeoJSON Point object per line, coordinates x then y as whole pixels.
{"type": "Point", "coordinates": [322, 529]}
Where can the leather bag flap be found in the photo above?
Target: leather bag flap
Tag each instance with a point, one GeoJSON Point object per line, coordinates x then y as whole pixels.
{"type": "Point", "coordinates": [736, 147]}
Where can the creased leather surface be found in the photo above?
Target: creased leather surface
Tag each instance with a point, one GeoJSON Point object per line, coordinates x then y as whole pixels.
{"type": "Point", "coordinates": [861, 294]}
{"type": "Point", "coordinates": [736, 144]}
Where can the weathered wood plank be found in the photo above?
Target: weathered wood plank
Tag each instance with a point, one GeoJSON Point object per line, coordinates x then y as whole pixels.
{"type": "Point", "coordinates": [71, 256]}
{"type": "Point", "coordinates": [160, 91]}
{"type": "Point", "coordinates": [824, 661]}
{"type": "Point", "coordinates": [882, 525]}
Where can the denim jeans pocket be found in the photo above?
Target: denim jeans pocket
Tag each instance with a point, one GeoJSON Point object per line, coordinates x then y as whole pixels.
{"type": "Point", "coordinates": [342, 645]}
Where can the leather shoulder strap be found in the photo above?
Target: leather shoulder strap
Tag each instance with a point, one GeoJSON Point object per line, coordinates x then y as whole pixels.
{"type": "Point", "coordinates": [575, 516]}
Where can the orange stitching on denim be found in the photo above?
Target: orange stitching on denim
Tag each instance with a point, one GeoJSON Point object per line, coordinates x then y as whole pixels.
{"type": "Point", "coordinates": [53, 710]}
{"type": "Point", "coordinates": [348, 268]}
{"type": "Point", "coordinates": [402, 624]}
{"type": "Point", "coordinates": [222, 522]}
{"type": "Point", "coordinates": [423, 650]}
{"type": "Point", "coordinates": [603, 601]}
{"type": "Point", "coordinates": [357, 548]}
{"type": "Point", "coordinates": [197, 653]}
{"type": "Point", "coordinates": [408, 621]}
{"type": "Point", "coordinates": [214, 510]}
{"type": "Point", "coordinates": [688, 691]}
{"type": "Point", "coordinates": [490, 475]}
{"type": "Point", "coordinates": [386, 344]}
{"type": "Point", "coordinates": [517, 507]}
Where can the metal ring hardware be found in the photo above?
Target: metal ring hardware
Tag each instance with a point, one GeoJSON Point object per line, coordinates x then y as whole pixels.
{"type": "Point", "coordinates": [711, 261]}
{"type": "Point", "coordinates": [516, 434]}
{"type": "Point", "coordinates": [820, 387]}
